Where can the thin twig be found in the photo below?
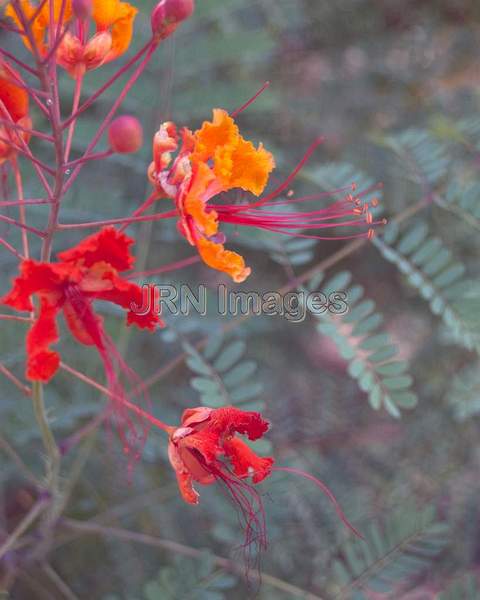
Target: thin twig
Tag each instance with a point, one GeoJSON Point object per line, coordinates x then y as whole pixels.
{"type": "Point", "coordinates": [59, 583]}
{"type": "Point", "coordinates": [184, 550]}
{"type": "Point", "coordinates": [17, 459]}
{"type": "Point", "coordinates": [20, 385]}
{"type": "Point", "coordinates": [24, 524]}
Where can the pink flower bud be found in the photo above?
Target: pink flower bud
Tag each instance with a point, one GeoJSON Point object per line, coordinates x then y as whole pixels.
{"type": "Point", "coordinates": [82, 9]}
{"type": "Point", "coordinates": [125, 134]}
{"type": "Point", "coordinates": [168, 14]}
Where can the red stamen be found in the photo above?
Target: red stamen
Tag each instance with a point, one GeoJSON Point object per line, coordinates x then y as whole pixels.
{"type": "Point", "coordinates": [327, 493]}
{"type": "Point", "coordinates": [251, 101]}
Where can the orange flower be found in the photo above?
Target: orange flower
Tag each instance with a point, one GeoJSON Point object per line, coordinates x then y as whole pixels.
{"type": "Point", "coordinates": [216, 159]}
{"type": "Point", "coordinates": [114, 27]}
{"type": "Point", "coordinates": [14, 108]}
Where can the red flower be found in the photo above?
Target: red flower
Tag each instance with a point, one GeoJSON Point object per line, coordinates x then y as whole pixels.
{"type": "Point", "coordinates": [86, 272]}
{"type": "Point", "coordinates": [207, 435]}
{"type": "Point", "coordinates": [205, 449]}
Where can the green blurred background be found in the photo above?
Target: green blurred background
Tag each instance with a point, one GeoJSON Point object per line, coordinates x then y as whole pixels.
{"type": "Point", "coordinates": [393, 85]}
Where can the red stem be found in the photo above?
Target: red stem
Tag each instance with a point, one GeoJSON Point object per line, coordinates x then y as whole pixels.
{"type": "Point", "coordinates": [129, 220]}
{"type": "Point", "coordinates": [136, 74]}
{"type": "Point", "coordinates": [106, 85]}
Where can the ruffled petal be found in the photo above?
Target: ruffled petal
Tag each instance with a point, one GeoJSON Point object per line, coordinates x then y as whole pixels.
{"type": "Point", "coordinates": [36, 278]}
{"type": "Point", "coordinates": [245, 462]}
{"type": "Point", "coordinates": [42, 362]}
{"type": "Point", "coordinates": [221, 131]}
{"type": "Point", "coordinates": [229, 419]}
{"type": "Point", "coordinates": [108, 245]}
{"type": "Point", "coordinates": [215, 256]}
{"type": "Point", "coordinates": [244, 166]}
{"type": "Point", "coordinates": [104, 284]}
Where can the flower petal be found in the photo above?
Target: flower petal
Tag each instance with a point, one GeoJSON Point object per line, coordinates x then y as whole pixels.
{"type": "Point", "coordinates": [36, 278]}
{"type": "Point", "coordinates": [108, 245]}
{"type": "Point", "coordinates": [108, 286]}
{"type": "Point", "coordinates": [42, 362]}
{"type": "Point", "coordinates": [244, 166]}
{"type": "Point", "coordinates": [221, 131]}
{"type": "Point", "coordinates": [229, 419]}
{"type": "Point", "coordinates": [215, 256]}
{"type": "Point", "coordinates": [122, 30]}
{"type": "Point", "coordinates": [245, 462]}
{"type": "Point", "coordinates": [195, 206]}
{"type": "Point", "coordinates": [14, 97]}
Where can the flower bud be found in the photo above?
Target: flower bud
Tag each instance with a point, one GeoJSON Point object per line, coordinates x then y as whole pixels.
{"type": "Point", "coordinates": [167, 16]}
{"type": "Point", "coordinates": [125, 134]}
{"type": "Point", "coordinates": [82, 9]}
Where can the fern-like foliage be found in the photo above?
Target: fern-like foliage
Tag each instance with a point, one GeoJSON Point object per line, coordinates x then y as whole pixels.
{"type": "Point", "coordinates": [369, 351]}
{"type": "Point", "coordinates": [430, 267]}
{"type": "Point", "coordinates": [464, 393]}
{"type": "Point", "coordinates": [463, 202]}
{"type": "Point", "coordinates": [189, 578]}
{"type": "Point", "coordinates": [466, 588]}
{"type": "Point", "coordinates": [223, 375]}
{"type": "Point", "coordinates": [402, 547]}
{"type": "Point", "coordinates": [421, 156]}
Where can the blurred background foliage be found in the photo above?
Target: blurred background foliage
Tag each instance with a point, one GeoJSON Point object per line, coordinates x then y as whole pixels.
{"type": "Point", "coordinates": [381, 404]}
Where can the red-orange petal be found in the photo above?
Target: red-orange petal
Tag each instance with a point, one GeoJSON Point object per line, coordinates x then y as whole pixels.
{"type": "Point", "coordinates": [42, 362]}
{"type": "Point", "coordinates": [108, 245]}
{"type": "Point", "coordinates": [229, 419]}
{"type": "Point", "coordinates": [13, 96]}
{"type": "Point", "coordinates": [245, 462]}
{"type": "Point", "coordinates": [36, 278]}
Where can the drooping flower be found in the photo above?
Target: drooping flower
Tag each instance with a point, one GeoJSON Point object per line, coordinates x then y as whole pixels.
{"type": "Point", "coordinates": [206, 449]}
{"type": "Point", "coordinates": [216, 159]}
{"type": "Point", "coordinates": [87, 272]}
{"type": "Point", "coordinates": [14, 110]}
{"type": "Point", "coordinates": [113, 21]}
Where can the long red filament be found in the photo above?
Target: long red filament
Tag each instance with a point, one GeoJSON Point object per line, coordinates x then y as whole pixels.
{"type": "Point", "coordinates": [327, 493]}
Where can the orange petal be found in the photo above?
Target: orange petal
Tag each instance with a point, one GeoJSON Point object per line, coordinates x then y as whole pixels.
{"type": "Point", "coordinates": [195, 206]}
{"type": "Point", "coordinates": [122, 30]}
{"type": "Point", "coordinates": [40, 24]}
{"type": "Point", "coordinates": [221, 131]}
{"type": "Point", "coordinates": [244, 166]}
{"type": "Point", "coordinates": [215, 256]}
{"type": "Point", "coordinates": [119, 18]}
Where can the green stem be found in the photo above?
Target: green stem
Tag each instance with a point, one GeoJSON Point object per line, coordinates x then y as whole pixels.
{"type": "Point", "coordinates": [51, 448]}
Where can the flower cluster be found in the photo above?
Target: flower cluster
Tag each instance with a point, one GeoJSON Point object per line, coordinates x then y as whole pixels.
{"type": "Point", "coordinates": [193, 172]}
